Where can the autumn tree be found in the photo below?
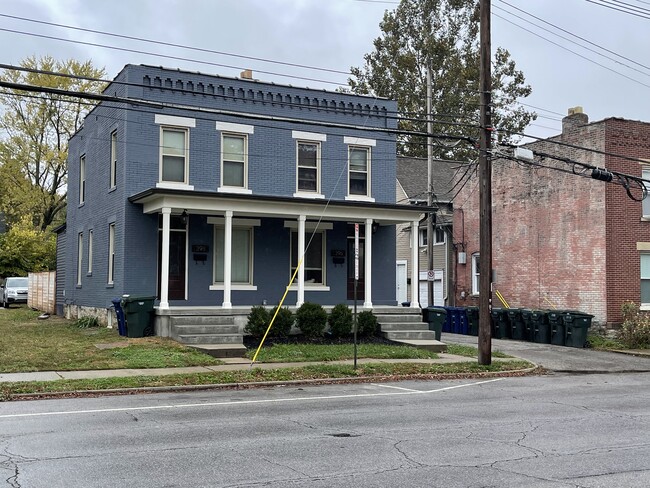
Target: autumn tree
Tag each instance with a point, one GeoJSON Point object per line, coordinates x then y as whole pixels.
{"type": "Point", "coordinates": [442, 34]}
{"type": "Point", "coordinates": [34, 133]}
{"type": "Point", "coordinates": [24, 249]}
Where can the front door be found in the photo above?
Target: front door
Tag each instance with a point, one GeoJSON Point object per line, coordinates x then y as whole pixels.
{"type": "Point", "coordinates": [401, 272]}
{"type": "Point", "coordinates": [360, 283]}
{"type": "Point", "coordinates": [177, 258]}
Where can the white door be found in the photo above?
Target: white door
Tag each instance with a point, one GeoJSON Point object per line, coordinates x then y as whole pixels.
{"type": "Point", "coordinates": [438, 298]}
{"type": "Point", "coordinates": [401, 282]}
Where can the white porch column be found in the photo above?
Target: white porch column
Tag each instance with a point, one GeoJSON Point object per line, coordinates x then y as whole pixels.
{"type": "Point", "coordinates": [164, 259]}
{"type": "Point", "coordinates": [415, 265]}
{"type": "Point", "coordinates": [301, 254]}
{"type": "Point", "coordinates": [367, 277]}
{"type": "Point", "coordinates": [227, 261]}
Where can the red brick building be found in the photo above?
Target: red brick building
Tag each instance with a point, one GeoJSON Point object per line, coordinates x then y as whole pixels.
{"type": "Point", "coordinates": [562, 240]}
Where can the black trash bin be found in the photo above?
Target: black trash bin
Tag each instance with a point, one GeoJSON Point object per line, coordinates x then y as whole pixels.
{"type": "Point", "coordinates": [516, 322]}
{"type": "Point", "coordinates": [500, 329]}
{"type": "Point", "coordinates": [119, 313]}
{"type": "Point", "coordinates": [138, 312]}
{"type": "Point", "coordinates": [576, 327]}
{"type": "Point", "coordinates": [472, 320]}
{"type": "Point", "coordinates": [436, 316]}
{"type": "Point", "coordinates": [526, 315]}
{"type": "Point", "coordinates": [556, 323]}
{"type": "Point", "coordinates": [540, 329]}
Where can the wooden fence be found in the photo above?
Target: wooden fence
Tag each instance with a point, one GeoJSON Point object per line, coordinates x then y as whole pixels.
{"type": "Point", "coordinates": [42, 291]}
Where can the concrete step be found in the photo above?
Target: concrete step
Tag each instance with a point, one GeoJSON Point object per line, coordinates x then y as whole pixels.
{"type": "Point", "coordinates": [429, 345]}
{"type": "Point", "coordinates": [211, 339]}
{"type": "Point", "coordinates": [205, 329]}
{"type": "Point", "coordinates": [409, 335]}
{"type": "Point", "coordinates": [202, 320]}
{"type": "Point", "coordinates": [221, 350]}
{"type": "Point", "coordinates": [385, 327]}
{"type": "Point", "coordinates": [393, 318]}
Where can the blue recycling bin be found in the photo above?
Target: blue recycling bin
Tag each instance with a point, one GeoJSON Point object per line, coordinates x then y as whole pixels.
{"type": "Point", "coordinates": [119, 313]}
{"type": "Point", "coordinates": [456, 322]}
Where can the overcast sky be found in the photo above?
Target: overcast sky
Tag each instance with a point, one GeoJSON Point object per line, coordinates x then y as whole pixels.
{"type": "Point", "coordinates": [335, 34]}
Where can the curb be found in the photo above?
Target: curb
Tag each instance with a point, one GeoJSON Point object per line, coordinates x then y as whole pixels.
{"type": "Point", "coordinates": [268, 384]}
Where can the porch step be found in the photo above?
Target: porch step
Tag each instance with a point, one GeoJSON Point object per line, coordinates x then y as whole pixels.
{"type": "Point", "coordinates": [402, 318]}
{"type": "Point", "coordinates": [386, 327]}
{"type": "Point", "coordinates": [409, 335]}
{"type": "Point", "coordinates": [229, 339]}
{"type": "Point", "coordinates": [199, 329]}
{"type": "Point", "coordinates": [221, 350]}
{"type": "Point", "coordinates": [177, 320]}
{"type": "Point", "coordinates": [429, 345]}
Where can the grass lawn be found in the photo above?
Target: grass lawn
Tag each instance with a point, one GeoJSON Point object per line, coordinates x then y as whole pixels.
{"type": "Point", "coordinates": [29, 344]}
{"type": "Point", "coordinates": [288, 353]}
{"type": "Point", "coordinates": [471, 351]}
{"type": "Point", "coordinates": [603, 343]}
{"type": "Point", "coordinates": [316, 372]}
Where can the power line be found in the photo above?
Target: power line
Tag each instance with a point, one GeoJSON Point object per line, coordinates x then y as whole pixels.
{"type": "Point", "coordinates": [620, 7]}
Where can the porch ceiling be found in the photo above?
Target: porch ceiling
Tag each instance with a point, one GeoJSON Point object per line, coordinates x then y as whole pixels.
{"type": "Point", "coordinates": [212, 203]}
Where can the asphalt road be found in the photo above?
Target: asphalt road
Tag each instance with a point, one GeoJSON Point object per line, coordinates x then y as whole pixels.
{"type": "Point", "coordinates": [551, 431]}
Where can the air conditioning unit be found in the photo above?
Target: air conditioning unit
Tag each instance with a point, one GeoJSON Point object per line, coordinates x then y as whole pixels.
{"type": "Point", "coordinates": [462, 258]}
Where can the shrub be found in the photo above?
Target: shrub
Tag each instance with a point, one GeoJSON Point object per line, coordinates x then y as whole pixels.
{"type": "Point", "coordinates": [311, 319]}
{"type": "Point", "coordinates": [258, 321]}
{"type": "Point", "coordinates": [87, 322]}
{"type": "Point", "coordinates": [635, 331]}
{"type": "Point", "coordinates": [366, 323]}
{"type": "Point", "coordinates": [283, 322]}
{"type": "Point", "coordinates": [340, 320]}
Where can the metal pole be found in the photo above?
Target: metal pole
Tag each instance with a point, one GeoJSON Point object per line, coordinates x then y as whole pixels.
{"type": "Point", "coordinates": [356, 281]}
{"type": "Point", "coordinates": [485, 189]}
{"type": "Point", "coordinates": [429, 187]}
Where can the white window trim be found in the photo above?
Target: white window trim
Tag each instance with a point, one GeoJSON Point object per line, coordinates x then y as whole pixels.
{"type": "Point", "coordinates": [476, 277]}
{"type": "Point", "coordinates": [308, 136]}
{"type": "Point", "coordinates": [80, 255]}
{"type": "Point", "coordinates": [113, 169]}
{"type": "Point", "coordinates": [645, 174]}
{"type": "Point", "coordinates": [311, 286]}
{"type": "Point", "coordinates": [422, 234]}
{"type": "Point", "coordinates": [367, 144]}
{"type": "Point", "coordinates": [172, 120]}
{"type": "Point", "coordinates": [236, 128]}
{"type": "Point", "coordinates": [90, 252]}
{"type": "Point", "coordinates": [228, 188]}
{"type": "Point", "coordinates": [444, 236]}
{"type": "Point", "coordinates": [174, 184]}
{"type": "Point", "coordinates": [82, 179]}
{"type": "Point", "coordinates": [248, 224]}
{"type": "Point", "coordinates": [358, 141]}
{"type": "Point", "coordinates": [304, 193]}
{"type": "Point", "coordinates": [111, 253]}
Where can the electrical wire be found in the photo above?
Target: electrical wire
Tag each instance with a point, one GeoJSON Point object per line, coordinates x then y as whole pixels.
{"type": "Point", "coordinates": [620, 8]}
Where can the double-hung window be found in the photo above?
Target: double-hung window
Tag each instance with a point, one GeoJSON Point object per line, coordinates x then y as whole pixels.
{"type": "Point", "coordinates": [234, 156]}
{"type": "Point", "coordinates": [241, 255]}
{"type": "Point", "coordinates": [645, 280]}
{"type": "Point", "coordinates": [173, 154]}
{"type": "Point", "coordinates": [646, 201]}
{"type": "Point", "coordinates": [308, 163]}
{"type": "Point", "coordinates": [90, 252]}
{"type": "Point", "coordinates": [359, 167]}
{"type": "Point", "coordinates": [111, 253]}
{"type": "Point", "coordinates": [313, 262]}
{"type": "Point", "coordinates": [174, 151]}
{"type": "Point", "coordinates": [80, 256]}
{"type": "Point", "coordinates": [113, 168]}
{"type": "Point", "coordinates": [82, 179]}
{"type": "Point", "coordinates": [476, 273]}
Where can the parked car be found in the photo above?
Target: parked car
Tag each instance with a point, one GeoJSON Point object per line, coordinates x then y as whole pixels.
{"type": "Point", "coordinates": [14, 291]}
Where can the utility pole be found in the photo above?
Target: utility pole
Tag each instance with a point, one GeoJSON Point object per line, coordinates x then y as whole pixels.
{"type": "Point", "coordinates": [485, 189]}
{"type": "Point", "coordinates": [429, 187]}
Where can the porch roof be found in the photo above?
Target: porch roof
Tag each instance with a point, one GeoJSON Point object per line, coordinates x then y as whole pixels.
{"type": "Point", "coordinates": [154, 200]}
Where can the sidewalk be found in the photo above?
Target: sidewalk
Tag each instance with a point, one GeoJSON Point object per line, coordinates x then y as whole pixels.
{"type": "Point", "coordinates": [232, 364]}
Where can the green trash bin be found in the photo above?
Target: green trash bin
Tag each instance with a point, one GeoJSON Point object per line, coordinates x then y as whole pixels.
{"type": "Point", "coordinates": [500, 326]}
{"type": "Point", "coordinates": [540, 329]}
{"type": "Point", "coordinates": [526, 315]}
{"type": "Point", "coordinates": [472, 319]}
{"type": "Point", "coordinates": [558, 329]}
{"type": "Point", "coordinates": [576, 327]}
{"type": "Point", "coordinates": [437, 316]}
{"type": "Point", "coordinates": [516, 322]}
{"type": "Point", "coordinates": [138, 312]}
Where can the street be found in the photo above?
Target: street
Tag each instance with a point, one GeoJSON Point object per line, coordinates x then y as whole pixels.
{"type": "Point", "coordinates": [549, 431]}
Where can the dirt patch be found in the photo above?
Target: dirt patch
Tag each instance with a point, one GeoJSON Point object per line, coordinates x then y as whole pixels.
{"type": "Point", "coordinates": [111, 345]}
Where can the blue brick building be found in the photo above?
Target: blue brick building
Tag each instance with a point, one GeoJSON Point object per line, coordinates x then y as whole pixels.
{"type": "Point", "coordinates": [206, 192]}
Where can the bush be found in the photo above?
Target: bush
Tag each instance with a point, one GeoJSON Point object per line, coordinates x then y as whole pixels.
{"type": "Point", "coordinates": [87, 322]}
{"type": "Point", "coordinates": [311, 319]}
{"type": "Point", "coordinates": [366, 324]}
{"type": "Point", "coordinates": [258, 321]}
{"type": "Point", "coordinates": [283, 322]}
{"type": "Point", "coordinates": [340, 320]}
{"type": "Point", "coordinates": [635, 331]}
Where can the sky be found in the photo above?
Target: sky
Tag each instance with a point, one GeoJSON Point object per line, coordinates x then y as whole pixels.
{"type": "Point", "coordinates": [335, 34]}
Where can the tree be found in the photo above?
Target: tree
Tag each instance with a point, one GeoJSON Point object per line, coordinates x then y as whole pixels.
{"type": "Point", "coordinates": [24, 249]}
{"type": "Point", "coordinates": [444, 35]}
{"type": "Point", "coordinates": [34, 139]}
